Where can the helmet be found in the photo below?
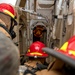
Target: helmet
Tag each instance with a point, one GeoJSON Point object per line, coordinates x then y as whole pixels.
{"type": "Point", "coordinates": [8, 10]}
{"type": "Point", "coordinates": [69, 48]}
{"type": "Point", "coordinates": [35, 50]}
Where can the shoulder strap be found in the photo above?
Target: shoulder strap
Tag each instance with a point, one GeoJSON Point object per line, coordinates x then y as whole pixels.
{"type": "Point", "coordinates": [41, 66]}
{"type": "Point", "coordinates": [1, 25]}
{"type": "Point", "coordinates": [29, 72]}
{"type": "Point", "coordinates": [33, 70]}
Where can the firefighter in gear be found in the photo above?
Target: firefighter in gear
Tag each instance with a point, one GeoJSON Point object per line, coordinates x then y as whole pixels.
{"type": "Point", "coordinates": [9, 54]}
{"type": "Point", "coordinates": [37, 58]}
{"type": "Point", "coordinates": [65, 64]}
{"type": "Point", "coordinates": [7, 20]}
{"type": "Point", "coordinates": [61, 65]}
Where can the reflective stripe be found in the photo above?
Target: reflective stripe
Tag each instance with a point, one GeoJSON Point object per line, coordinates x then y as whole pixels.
{"type": "Point", "coordinates": [64, 47]}
{"type": "Point", "coordinates": [36, 53]}
{"type": "Point", "coordinates": [72, 52]}
{"type": "Point", "coordinates": [7, 12]}
{"type": "Point", "coordinates": [28, 50]}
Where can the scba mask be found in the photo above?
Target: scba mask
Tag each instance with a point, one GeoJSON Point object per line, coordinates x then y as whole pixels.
{"type": "Point", "coordinates": [12, 32]}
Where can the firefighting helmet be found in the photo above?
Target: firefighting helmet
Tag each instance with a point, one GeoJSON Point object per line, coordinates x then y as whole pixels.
{"type": "Point", "coordinates": [8, 10]}
{"type": "Point", "coordinates": [68, 48]}
{"type": "Point", "coordinates": [35, 50]}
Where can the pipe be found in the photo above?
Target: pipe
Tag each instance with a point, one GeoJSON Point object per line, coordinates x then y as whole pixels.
{"type": "Point", "coordinates": [70, 11]}
{"type": "Point", "coordinates": [58, 9]}
{"type": "Point", "coordinates": [74, 7]}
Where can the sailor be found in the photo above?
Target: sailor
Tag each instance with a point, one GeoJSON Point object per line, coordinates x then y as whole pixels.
{"type": "Point", "coordinates": [7, 20]}
{"type": "Point", "coordinates": [64, 64]}
{"type": "Point", "coordinates": [9, 56]}
{"type": "Point", "coordinates": [9, 53]}
{"type": "Point", "coordinates": [37, 58]}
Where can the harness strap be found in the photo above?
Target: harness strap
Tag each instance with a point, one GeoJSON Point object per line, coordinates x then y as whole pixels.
{"type": "Point", "coordinates": [1, 25]}
{"type": "Point", "coordinates": [33, 70]}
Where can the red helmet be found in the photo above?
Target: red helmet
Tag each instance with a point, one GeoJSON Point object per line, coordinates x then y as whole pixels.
{"type": "Point", "coordinates": [8, 10]}
{"type": "Point", "coordinates": [35, 50]}
{"type": "Point", "coordinates": [69, 48]}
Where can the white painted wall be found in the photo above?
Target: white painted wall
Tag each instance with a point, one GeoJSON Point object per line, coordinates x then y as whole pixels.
{"type": "Point", "coordinates": [12, 2]}
{"type": "Point", "coordinates": [31, 4]}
